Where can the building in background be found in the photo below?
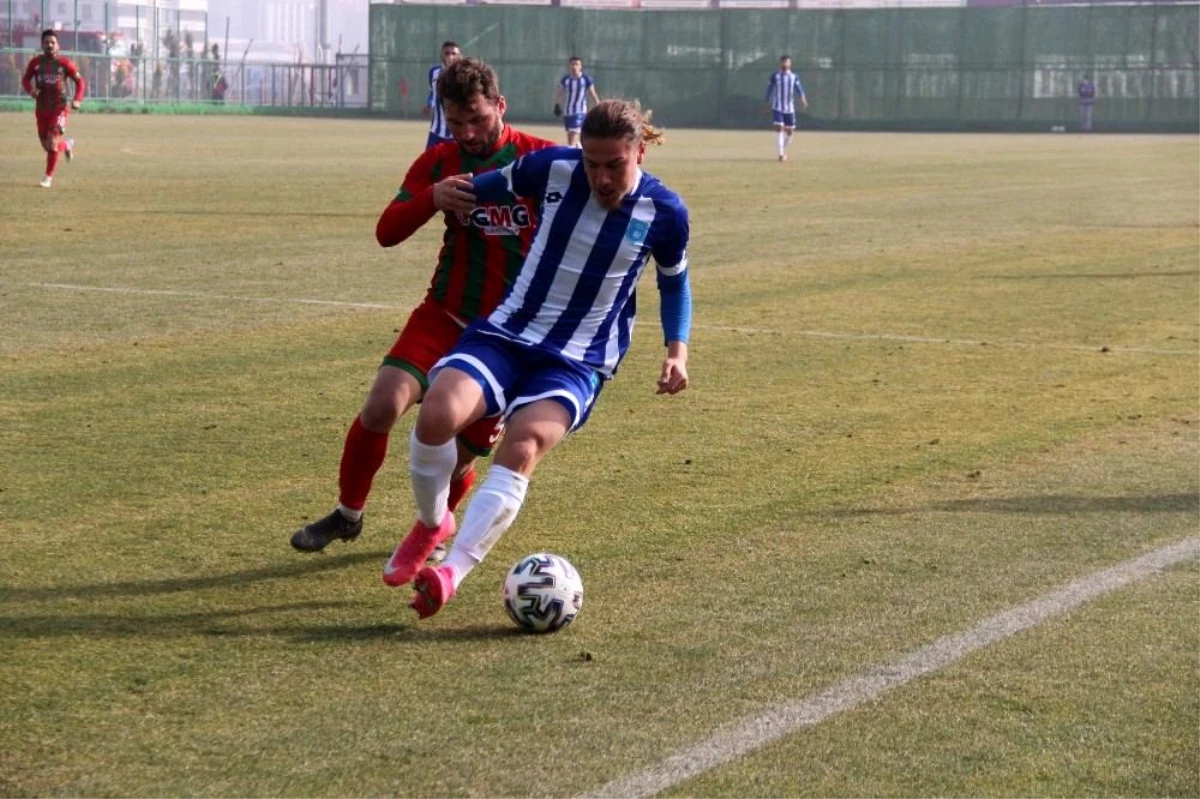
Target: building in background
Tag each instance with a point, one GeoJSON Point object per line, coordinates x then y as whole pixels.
{"type": "Point", "coordinates": [313, 31]}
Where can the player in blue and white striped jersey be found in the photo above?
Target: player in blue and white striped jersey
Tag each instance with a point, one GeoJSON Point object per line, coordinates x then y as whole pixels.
{"type": "Point", "coordinates": [571, 98]}
{"type": "Point", "coordinates": [438, 131]}
{"type": "Point", "coordinates": [782, 90]}
{"type": "Point", "coordinates": [541, 358]}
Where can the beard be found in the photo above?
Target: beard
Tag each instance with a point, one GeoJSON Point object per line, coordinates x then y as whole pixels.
{"type": "Point", "coordinates": [485, 145]}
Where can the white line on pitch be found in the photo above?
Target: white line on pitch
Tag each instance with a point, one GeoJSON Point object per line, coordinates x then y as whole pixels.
{"type": "Point", "coordinates": [200, 295]}
{"type": "Point", "coordinates": [784, 719]}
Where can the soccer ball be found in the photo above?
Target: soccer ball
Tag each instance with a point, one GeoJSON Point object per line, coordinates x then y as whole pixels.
{"type": "Point", "coordinates": [543, 593]}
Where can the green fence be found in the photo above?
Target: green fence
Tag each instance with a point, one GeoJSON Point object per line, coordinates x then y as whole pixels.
{"type": "Point", "coordinates": [944, 68]}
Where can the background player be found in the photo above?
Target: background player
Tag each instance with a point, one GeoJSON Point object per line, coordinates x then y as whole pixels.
{"type": "Point", "coordinates": [481, 250]}
{"type": "Point", "coordinates": [571, 98]}
{"type": "Point", "coordinates": [434, 109]}
{"type": "Point", "coordinates": [782, 89]}
{"type": "Point", "coordinates": [542, 357]}
{"type": "Point", "coordinates": [45, 80]}
{"type": "Point", "coordinates": [1087, 101]}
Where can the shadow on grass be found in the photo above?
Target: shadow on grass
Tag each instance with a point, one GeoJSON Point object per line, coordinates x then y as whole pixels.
{"type": "Point", "coordinates": [304, 565]}
{"type": "Point", "coordinates": [132, 625]}
{"type": "Point", "coordinates": [370, 632]}
{"type": "Point", "coordinates": [214, 624]}
{"type": "Point", "coordinates": [1050, 505]}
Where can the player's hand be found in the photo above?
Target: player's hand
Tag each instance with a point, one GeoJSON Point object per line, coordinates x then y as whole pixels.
{"type": "Point", "coordinates": [454, 193]}
{"type": "Point", "coordinates": [674, 377]}
{"type": "Point", "coordinates": [557, 110]}
{"type": "Point", "coordinates": [75, 105]}
{"type": "Point", "coordinates": [425, 110]}
{"type": "Point", "coordinates": [804, 103]}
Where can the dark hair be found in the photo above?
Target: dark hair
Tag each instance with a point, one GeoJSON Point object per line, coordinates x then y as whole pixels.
{"type": "Point", "coordinates": [449, 44]}
{"type": "Point", "coordinates": [574, 58]}
{"type": "Point", "coordinates": [620, 119]}
{"type": "Point", "coordinates": [49, 32]}
{"type": "Point", "coordinates": [466, 79]}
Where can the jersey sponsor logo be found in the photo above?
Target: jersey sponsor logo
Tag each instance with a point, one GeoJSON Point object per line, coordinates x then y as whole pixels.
{"type": "Point", "coordinates": [553, 197]}
{"type": "Point", "coordinates": [497, 220]}
{"type": "Point", "coordinates": [637, 230]}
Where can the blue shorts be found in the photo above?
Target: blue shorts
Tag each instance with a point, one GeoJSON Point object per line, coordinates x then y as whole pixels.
{"type": "Point", "coordinates": [573, 121]}
{"type": "Point", "coordinates": [513, 375]}
{"type": "Point", "coordinates": [787, 120]}
{"type": "Point", "coordinates": [434, 139]}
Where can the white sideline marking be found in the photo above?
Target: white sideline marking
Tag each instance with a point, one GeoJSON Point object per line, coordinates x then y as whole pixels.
{"type": "Point", "coordinates": [744, 737]}
{"type": "Point", "coordinates": [200, 295]}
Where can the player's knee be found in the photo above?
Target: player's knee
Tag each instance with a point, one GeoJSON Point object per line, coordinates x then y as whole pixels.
{"type": "Point", "coordinates": [521, 453]}
{"type": "Point", "coordinates": [379, 414]}
{"type": "Point", "coordinates": [437, 421]}
{"type": "Point", "coordinates": [392, 394]}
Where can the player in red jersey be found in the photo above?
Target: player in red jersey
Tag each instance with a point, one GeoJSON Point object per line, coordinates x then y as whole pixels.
{"type": "Point", "coordinates": [45, 80]}
{"type": "Point", "coordinates": [481, 252]}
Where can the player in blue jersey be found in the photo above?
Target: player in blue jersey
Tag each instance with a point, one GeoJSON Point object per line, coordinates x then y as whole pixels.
{"type": "Point", "coordinates": [438, 131]}
{"type": "Point", "coordinates": [542, 357]}
{"type": "Point", "coordinates": [782, 90]}
{"type": "Point", "coordinates": [571, 98]}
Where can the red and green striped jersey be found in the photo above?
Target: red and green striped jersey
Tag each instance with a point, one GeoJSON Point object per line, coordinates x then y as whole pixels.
{"type": "Point", "coordinates": [50, 73]}
{"type": "Point", "coordinates": [481, 251]}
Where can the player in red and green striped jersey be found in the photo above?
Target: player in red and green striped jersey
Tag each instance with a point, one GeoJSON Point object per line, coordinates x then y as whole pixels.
{"type": "Point", "coordinates": [481, 253]}
{"type": "Point", "coordinates": [45, 80]}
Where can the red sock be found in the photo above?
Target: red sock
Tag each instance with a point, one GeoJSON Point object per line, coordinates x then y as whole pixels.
{"type": "Point", "coordinates": [459, 488]}
{"type": "Point", "coordinates": [51, 162]}
{"type": "Point", "coordinates": [62, 145]}
{"type": "Point", "coordinates": [362, 456]}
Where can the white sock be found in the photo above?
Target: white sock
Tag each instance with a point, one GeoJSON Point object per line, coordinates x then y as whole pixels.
{"type": "Point", "coordinates": [490, 513]}
{"type": "Point", "coordinates": [787, 140]}
{"type": "Point", "coordinates": [430, 468]}
{"type": "Point", "coordinates": [779, 142]}
{"type": "Point", "coordinates": [350, 513]}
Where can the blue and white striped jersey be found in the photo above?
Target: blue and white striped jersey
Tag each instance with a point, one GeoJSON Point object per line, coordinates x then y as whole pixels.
{"type": "Point", "coordinates": [575, 92]}
{"type": "Point", "coordinates": [574, 294]}
{"type": "Point", "coordinates": [782, 90]}
{"type": "Point", "coordinates": [437, 115]}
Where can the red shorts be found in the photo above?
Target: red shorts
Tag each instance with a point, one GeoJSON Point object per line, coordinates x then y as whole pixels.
{"type": "Point", "coordinates": [428, 336]}
{"type": "Point", "coordinates": [51, 122]}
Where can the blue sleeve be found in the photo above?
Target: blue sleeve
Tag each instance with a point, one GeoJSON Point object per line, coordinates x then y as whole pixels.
{"type": "Point", "coordinates": [525, 177]}
{"type": "Point", "coordinates": [674, 288]}
{"type": "Point", "coordinates": [675, 308]}
{"type": "Point", "coordinates": [799, 86]}
{"type": "Point", "coordinates": [491, 187]}
{"type": "Point", "coordinates": [770, 87]}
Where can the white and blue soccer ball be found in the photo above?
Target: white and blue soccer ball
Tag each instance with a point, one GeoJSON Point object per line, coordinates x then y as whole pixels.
{"type": "Point", "coordinates": [543, 593]}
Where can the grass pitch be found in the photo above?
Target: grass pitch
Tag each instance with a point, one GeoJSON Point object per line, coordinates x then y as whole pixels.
{"type": "Point", "coordinates": [935, 376]}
